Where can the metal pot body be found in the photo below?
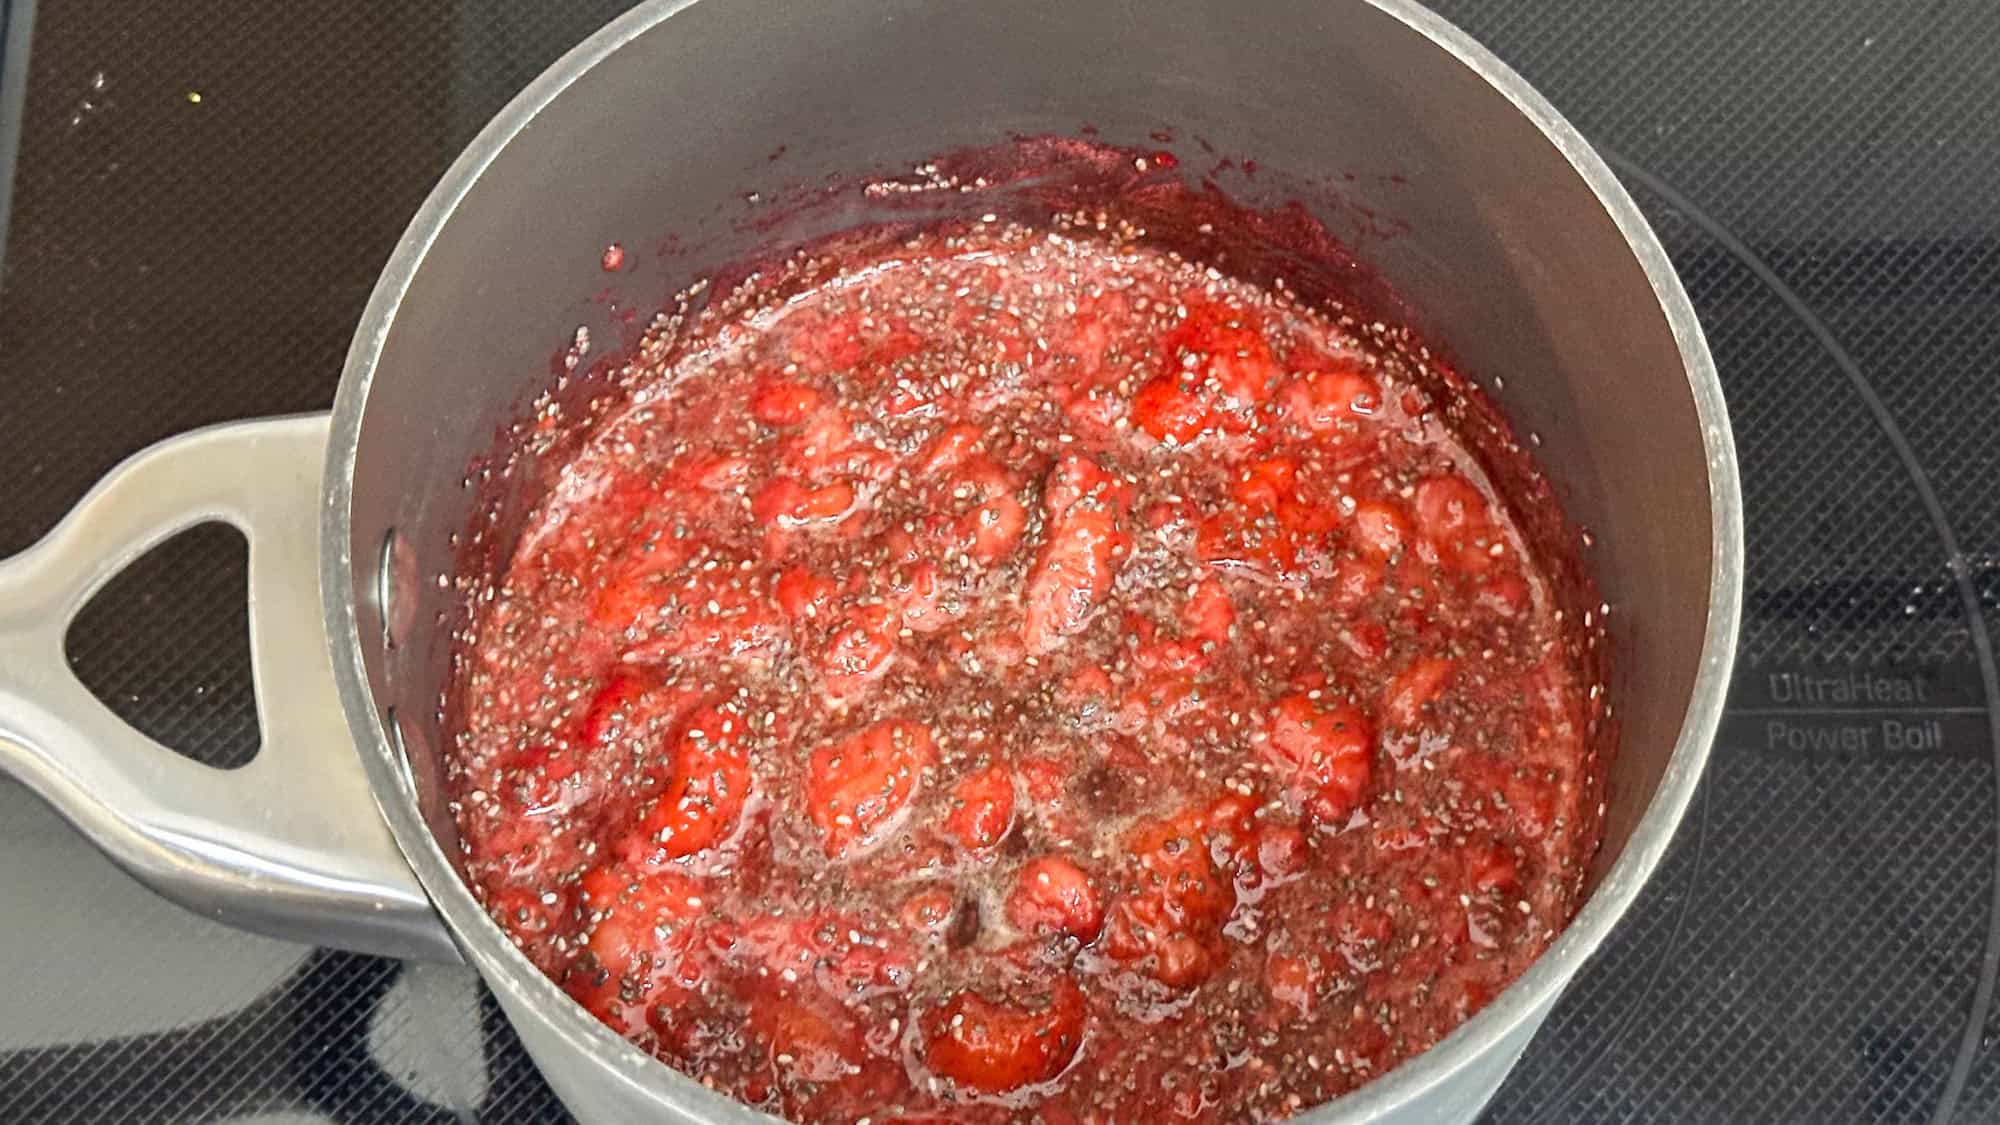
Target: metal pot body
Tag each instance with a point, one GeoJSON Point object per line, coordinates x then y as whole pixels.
{"type": "Point", "coordinates": [1519, 249]}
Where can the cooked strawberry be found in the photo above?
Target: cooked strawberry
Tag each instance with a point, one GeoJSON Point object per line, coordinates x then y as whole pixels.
{"type": "Point", "coordinates": [1070, 577]}
{"type": "Point", "coordinates": [952, 447]}
{"type": "Point", "coordinates": [1223, 348]}
{"type": "Point", "coordinates": [991, 1048]}
{"type": "Point", "coordinates": [827, 343]}
{"type": "Point", "coordinates": [1323, 755]}
{"type": "Point", "coordinates": [1362, 935]}
{"type": "Point", "coordinates": [703, 800]}
{"type": "Point", "coordinates": [810, 1038]}
{"type": "Point", "coordinates": [629, 705]}
{"type": "Point", "coordinates": [1168, 917]}
{"type": "Point", "coordinates": [786, 504]}
{"type": "Point", "coordinates": [1293, 981]}
{"type": "Point", "coordinates": [1456, 519]}
{"type": "Point", "coordinates": [859, 649]}
{"type": "Point", "coordinates": [994, 525]}
{"type": "Point", "coordinates": [1053, 895]}
{"type": "Point", "coordinates": [929, 911]}
{"type": "Point", "coordinates": [1262, 485]}
{"type": "Point", "coordinates": [1354, 582]}
{"type": "Point", "coordinates": [1077, 479]}
{"type": "Point", "coordinates": [1171, 411]}
{"type": "Point", "coordinates": [1322, 401]}
{"type": "Point", "coordinates": [1379, 529]}
{"type": "Point", "coordinates": [1491, 866]}
{"type": "Point", "coordinates": [784, 403]}
{"type": "Point", "coordinates": [1044, 777]}
{"type": "Point", "coordinates": [1282, 852]}
{"type": "Point", "coordinates": [857, 787]}
{"type": "Point", "coordinates": [543, 777]}
{"type": "Point", "coordinates": [802, 594]}
{"type": "Point", "coordinates": [838, 952]}
{"type": "Point", "coordinates": [1405, 698]}
{"type": "Point", "coordinates": [981, 808]}
{"type": "Point", "coordinates": [716, 612]}
{"type": "Point", "coordinates": [1209, 613]}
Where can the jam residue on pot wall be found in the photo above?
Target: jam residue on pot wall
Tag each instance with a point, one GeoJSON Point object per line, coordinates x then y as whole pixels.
{"type": "Point", "coordinates": [1078, 658]}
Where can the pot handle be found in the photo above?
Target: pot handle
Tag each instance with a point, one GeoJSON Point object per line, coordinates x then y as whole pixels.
{"type": "Point", "coordinates": [291, 844]}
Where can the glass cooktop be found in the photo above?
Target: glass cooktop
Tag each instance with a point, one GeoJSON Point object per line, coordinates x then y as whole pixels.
{"type": "Point", "coordinates": [202, 198]}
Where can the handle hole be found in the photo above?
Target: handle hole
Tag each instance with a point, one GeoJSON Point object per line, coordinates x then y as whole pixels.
{"type": "Point", "coordinates": [396, 590]}
{"type": "Point", "coordinates": [165, 644]}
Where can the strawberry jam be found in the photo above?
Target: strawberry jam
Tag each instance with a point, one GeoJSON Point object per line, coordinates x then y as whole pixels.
{"type": "Point", "coordinates": [1025, 675]}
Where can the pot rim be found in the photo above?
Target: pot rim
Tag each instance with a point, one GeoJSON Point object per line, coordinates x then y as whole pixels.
{"type": "Point", "coordinates": [1494, 1028]}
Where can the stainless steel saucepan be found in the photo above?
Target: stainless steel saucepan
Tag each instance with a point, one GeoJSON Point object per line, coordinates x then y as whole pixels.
{"type": "Point", "coordinates": [1521, 251]}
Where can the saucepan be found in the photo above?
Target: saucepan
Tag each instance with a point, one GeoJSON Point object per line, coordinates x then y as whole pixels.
{"type": "Point", "coordinates": [1507, 234]}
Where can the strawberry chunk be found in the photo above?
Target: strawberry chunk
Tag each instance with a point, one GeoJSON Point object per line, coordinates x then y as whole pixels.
{"type": "Point", "coordinates": [1413, 689]}
{"type": "Point", "coordinates": [1518, 798]}
{"type": "Point", "coordinates": [716, 611]}
{"type": "Point", "coordinates": [802, 594]}
{"type": "Point", "coordinates": [1262, 485]}
{"type": "Point", "coordinates": [1171, 411]}
{"type": "Point", "coordinates": [1293, 981]}
{"type": "Point", "coordinates": [993, 1048]}
{"type": "Point", "coordinates": [1456, 520]}
{"type": "Point", "coordinates": [628, 706]}
{"type": "Point", "coordinates": [1229, 543]}
{"type": "Point", "coordinates": [784, 403]}
{"type": "Point", "coordinates": [637, 592]}
{"type": "Point", "coordinates": [982, 809]}
{"type": "Point", "coordinates": [858, 650]}
{"type": "Point", "coordinates": [703, 800]}
{"type": "Point", "coordinates": [786, 504]}
{"type": "Point", "coordinates": [1070, 577]}
{"type": "Point", "coordinates": [816, 1039]}
{"type": "Point", "coordinates": [1379, 529]}
{"type": "Point", "coordinates": [1322, 755]}
{"type": "Point", "coordinates": [712, 472]}
{"type": "Point", "coordinates": [1090, 334]}
{"type": "Point", "coordinates": [828, 343]}
{"type": "Point", "coordinates": [1053, 895]}
{"type": "Point", "coordinates": [929, 911]}
{"type": "Point", "coordinates": [952, 447]}
{"type": "Point", "coordinates": [1362, 935]}
{"type": "Point", "coordinates": [1209, 613]}
{"type": "Point", "coordinates": [1324, 400]}
{"type": "Point", "coordinates": [632, 908]}
{"type": "Point", "coordinates": [543, 776]}
{"type": "Point", "coordinates": [1506, 594]}
{"type": "Point", "coordinates": [1077, 479]}
{"type": "Point", "coordinates": [643, 948]}
{"type": "Point", "coordinates": [1223, 349]}
{"type": "Point", "coordinates": [1044, 776]}
{"type": "Point", "coordinates": [992, 527]}
{"type": "Point", "coordinates": [1448, 507]}
{"type": "Point", "coordinates": [1168, 922]}
{"type": "Point", "coordinates": [1354, 582]}
{"type": "Point", "coordinates": [916, 592]}
{"type": "Point", "coordinates": [1282, 852]}
{"type": "Point", "coordinates": [1491, 867]}
{"type": "Point", "coordinates": [857, 788]}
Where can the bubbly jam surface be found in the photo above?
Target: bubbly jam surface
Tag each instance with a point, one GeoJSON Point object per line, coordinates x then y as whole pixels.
{"type": "Point", "coordinates": [1025, 676]}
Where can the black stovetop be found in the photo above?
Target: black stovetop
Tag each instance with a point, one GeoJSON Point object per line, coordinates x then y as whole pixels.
{"type": "Point", "coordinates": [204, 194]}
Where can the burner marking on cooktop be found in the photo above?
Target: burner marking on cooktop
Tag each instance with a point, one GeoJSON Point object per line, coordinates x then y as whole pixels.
{"type": "Point", "coordinates": [1857, 711]}
{"type": "Point", "coordinates": [1955, 560]}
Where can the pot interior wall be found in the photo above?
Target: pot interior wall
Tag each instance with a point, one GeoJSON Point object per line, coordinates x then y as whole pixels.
{"type": "Point", "coordinates": [1503, 250]}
